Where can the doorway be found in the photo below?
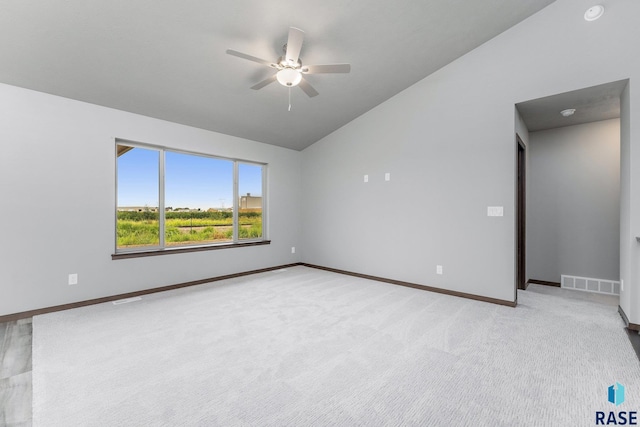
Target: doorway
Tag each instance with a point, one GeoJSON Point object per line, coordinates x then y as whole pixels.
{"type": "Point", "coordinates": [573, 219]}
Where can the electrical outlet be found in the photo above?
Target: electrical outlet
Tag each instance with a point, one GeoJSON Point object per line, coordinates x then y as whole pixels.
{"type": "Point", "coordinates": [366, 178]}
{"type": "Point", "coordinates": [387, 176]}
{"type": "Point", "coordinates": [293, 249]}
{"type": "Point", "coordinates": [438, 269]}
{"type": "Point", "coordinates": [73, 279]}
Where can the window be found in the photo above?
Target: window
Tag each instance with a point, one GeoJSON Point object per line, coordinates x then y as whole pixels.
{"type": "Point", "coordinates": [169, 199]}
{"type": "Point", "coordinates": [138, 197]}
{"type": "Point", "coordinates": [250, 204]}
{"type": "Point", "coordinates": [198, 199]}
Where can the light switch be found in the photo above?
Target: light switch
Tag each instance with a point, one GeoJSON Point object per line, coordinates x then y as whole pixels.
{"type": "Point", "coordinates": [387, 176]}
{"type": "Point", "coordinates": [495, 211]}
{"type": "Point", "coordinates": [366, 178]}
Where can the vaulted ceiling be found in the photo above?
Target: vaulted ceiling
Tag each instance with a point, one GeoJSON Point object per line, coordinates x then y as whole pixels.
{"type": "Point", "coordinates": [166, 59]}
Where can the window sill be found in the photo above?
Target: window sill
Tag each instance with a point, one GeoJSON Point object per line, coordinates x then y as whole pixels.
{"type": "Point", "coordinates": [167, 251]}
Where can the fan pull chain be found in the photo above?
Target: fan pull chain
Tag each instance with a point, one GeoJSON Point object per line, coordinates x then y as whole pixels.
{"type": "Point", "coordinates": [289, 99]}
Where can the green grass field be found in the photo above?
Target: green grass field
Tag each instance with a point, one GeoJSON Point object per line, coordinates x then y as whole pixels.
{"type": "Point", "coordinates": [138, 229]}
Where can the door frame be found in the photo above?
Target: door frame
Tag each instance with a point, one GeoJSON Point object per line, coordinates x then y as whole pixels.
{"type": "Point", "coordinates": [521, 214]}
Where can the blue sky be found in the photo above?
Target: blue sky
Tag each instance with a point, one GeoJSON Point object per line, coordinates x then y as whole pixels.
{"type": "Point", "coordinates": [190, 181]}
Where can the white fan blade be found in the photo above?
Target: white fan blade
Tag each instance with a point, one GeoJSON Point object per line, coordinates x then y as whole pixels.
{"type": "Point", "coordinates": [307, 88]}
{"type": "Point", "coordinates": [264, 82]}
{"type": "Point", "coordinates": [329, 68]}
{"type": "Point", "coordinates": [249, 57]}
{"type": "Point", "coordinates": [294, 45]}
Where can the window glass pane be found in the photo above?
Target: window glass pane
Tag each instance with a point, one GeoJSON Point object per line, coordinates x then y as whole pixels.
{"type": "Point", "coordinates": [250, 201]}
{"type": "Point", "coordinates": [198, 199]}
{"type": "Point", "coordinates": [138, 200]}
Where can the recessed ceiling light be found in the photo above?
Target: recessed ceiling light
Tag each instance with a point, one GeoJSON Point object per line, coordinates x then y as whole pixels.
{"type": "Point", "coordinates": [594, 12]}
{"type": "Point", "coordinates": [568, 112]}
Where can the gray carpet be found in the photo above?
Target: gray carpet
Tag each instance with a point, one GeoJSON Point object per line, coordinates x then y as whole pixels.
{"type": "Point", "coordinates": [308, 347]}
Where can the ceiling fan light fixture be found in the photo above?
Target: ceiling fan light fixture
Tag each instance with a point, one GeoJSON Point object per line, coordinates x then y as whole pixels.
{"type": "Point", "coordinates": [288, 77]}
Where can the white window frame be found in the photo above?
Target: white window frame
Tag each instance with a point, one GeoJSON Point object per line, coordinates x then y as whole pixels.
{"type": "Point", "coordinates": [236, 241]}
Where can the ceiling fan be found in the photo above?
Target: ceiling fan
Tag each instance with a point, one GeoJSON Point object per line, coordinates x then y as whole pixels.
{"type": "Point", "coordinates": [289, 66]}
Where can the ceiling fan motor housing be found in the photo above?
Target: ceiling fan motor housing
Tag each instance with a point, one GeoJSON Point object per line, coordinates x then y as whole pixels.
{"type": "Point", "coordinates": [283, 63]}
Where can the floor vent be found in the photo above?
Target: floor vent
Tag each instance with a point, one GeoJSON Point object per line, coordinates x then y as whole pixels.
{"type": "Point", "coordinates": [126, 300]}
{"type": "Point", "coordinates": [589, 284]}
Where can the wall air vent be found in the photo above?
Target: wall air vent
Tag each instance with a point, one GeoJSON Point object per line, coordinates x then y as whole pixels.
{"type": "Point", "coordinates": [589, 284]}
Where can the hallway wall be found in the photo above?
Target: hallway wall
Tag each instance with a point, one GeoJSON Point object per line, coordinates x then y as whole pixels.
{"type": "Point", "coordinates": [573, 215]}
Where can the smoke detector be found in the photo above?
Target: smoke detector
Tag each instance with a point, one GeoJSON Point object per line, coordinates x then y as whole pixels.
{"type": "Point", "coordinates": [594, 12]}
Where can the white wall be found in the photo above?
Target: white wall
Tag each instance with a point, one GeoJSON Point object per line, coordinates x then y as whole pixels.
{"type": "Point", "coordinates": [448, 142]}
{"type": "Point", "coordinates": [626, 237]}
{"type": "Point", "coordinates": [57, 181]}
{"type": "Point", "coordinates": [573, 215]}
{"type": "Point", "coordinates": [629, 210]}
